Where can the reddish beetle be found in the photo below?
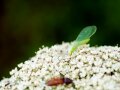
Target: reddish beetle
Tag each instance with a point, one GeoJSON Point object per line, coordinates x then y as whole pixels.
{"type": "Point", "coordinates": [58, 80]}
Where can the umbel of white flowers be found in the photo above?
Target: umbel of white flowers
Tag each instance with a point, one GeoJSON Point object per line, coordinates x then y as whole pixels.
{"type": "Point", "coordinates": [89, 68]}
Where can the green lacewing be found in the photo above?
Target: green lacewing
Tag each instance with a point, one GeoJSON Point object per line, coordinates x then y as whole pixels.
{"type": "Point", "coordinates": [83, 37]}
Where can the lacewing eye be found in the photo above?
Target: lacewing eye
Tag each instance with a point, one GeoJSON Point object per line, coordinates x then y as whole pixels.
{"type": "Point", "coordinates": [83, 37]}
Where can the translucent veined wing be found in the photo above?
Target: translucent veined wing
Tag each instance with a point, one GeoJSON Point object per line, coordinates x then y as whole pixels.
{"type": "Point", "coordinates": [83, 37]}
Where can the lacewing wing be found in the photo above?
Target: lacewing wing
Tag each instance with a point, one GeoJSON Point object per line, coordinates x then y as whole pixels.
{"type": "Point", "coordinates": [83, 37]}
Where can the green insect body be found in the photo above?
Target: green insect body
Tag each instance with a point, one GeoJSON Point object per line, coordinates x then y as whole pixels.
{"type": "Point", "coordinates": [83, 37]}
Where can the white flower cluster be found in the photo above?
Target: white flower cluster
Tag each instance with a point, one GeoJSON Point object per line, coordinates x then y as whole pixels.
{"type": "Point", "coordinates": [90, 68]}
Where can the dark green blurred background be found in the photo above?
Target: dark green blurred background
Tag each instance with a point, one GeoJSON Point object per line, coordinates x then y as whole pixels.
{"type": "Point", "coordinates": [25, 25]}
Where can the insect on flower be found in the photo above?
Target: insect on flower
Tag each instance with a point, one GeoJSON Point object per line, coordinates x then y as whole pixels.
{"type": "Point", "coordinates": [58, 81]}
{"type": "Point", "coordinates": [83, 37]}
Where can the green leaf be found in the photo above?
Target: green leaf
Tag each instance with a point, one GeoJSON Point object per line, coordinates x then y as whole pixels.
{"type": "Point", "coordinates": [83, 37]}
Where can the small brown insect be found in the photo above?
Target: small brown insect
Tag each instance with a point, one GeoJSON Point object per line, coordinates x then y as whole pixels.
{"type": "Point", "coordinates": [58, 80]}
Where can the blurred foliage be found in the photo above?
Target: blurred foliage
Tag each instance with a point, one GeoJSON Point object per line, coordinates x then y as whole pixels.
{"type": "Point", "coordinates": [25, 25]}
